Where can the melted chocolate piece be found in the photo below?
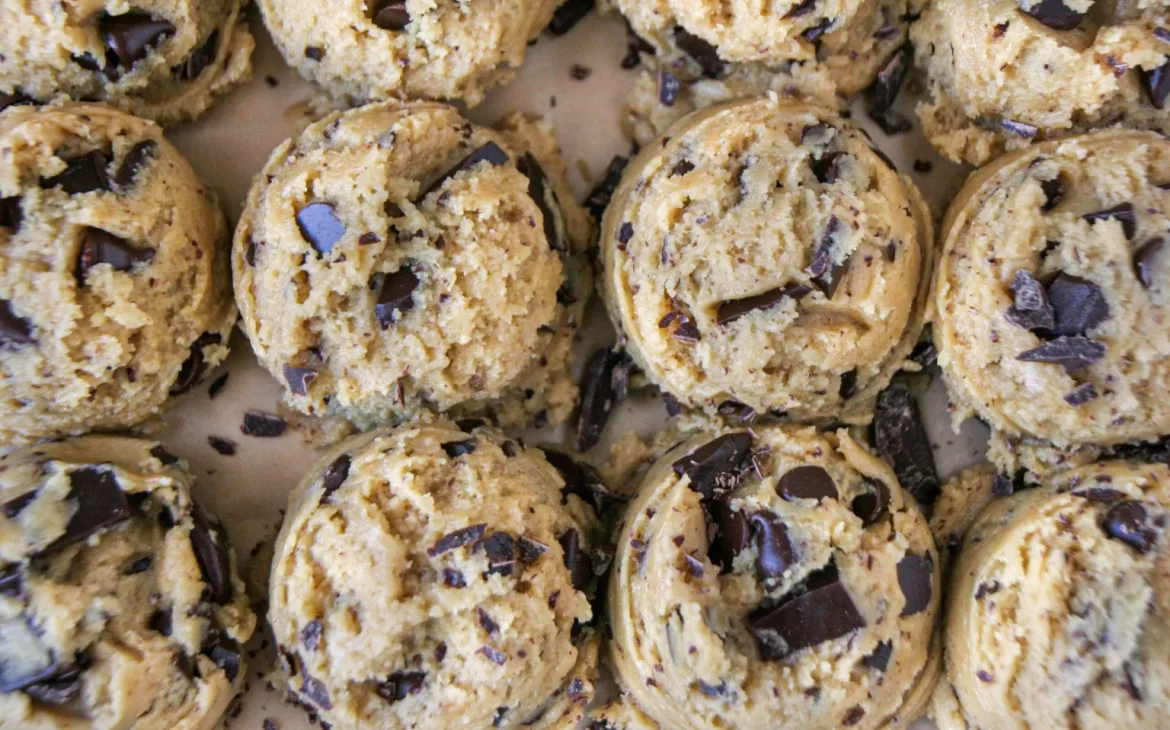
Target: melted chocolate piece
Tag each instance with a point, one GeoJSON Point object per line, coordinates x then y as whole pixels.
{"type": "Point", "coordinates": [396, 295]}
{"type": "Point", "coordinates": [901, 440]}
{"type": "Point", "coordinates": [916, 579]}
{"type": "Point", "coordinates": [732, 310]}
{"type": "Point", "coordinates": [715, 466]}
{"type": "Point", "coordinates": [807, 482]}
{"type": "Point", "coordinates": [457, 539]}
{"type": "Point", "coordinates": [1071, 353]}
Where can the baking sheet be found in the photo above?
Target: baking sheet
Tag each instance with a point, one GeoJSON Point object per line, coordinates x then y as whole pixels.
{"type": "Point", "coordinates": [230, 144]}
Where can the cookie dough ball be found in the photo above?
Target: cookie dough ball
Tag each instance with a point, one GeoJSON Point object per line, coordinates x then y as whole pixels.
{"type": "Point", "coordinates": [1059, 611]}
{"type": "Point", "coordinates": [1002, 74]}
{"type": "Point", "coordinates": [429, 572]}
{"type": "Point", "coordinates": [764, 253]}
{"type": "Point", "coordinates": [120, 605]}
{"type": "Point", "coordinates": [365, 50]}
{"type": "Point", "coordinates": [114, 288]}
{"type": "Point", "coordinates": [1051, 301]}
{"type": "Point", "coordinates": [165, 60]}
{"type": "Point", "coordinates": [774, 579]}
{"type": "Point", "coordinates": [396, 258]}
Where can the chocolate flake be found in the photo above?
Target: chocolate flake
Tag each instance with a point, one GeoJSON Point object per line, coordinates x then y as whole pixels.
{"type": "Point", "coordinates": [401, 684]}
{"type": "Point", "coordinates": [542, 193]}
{"type": "Point", "coordinates": [313, 690]}
{"type": "Point", "coordinates": [14, 330]}
{"type": "Point", "coordinates": [453, 578]}
{"type": "Point", "coordinates": [1071, 353]}
{"type": "Point", "coordinates": [487, 623]}
{"type": "Point", "coordinates": [582, 479]}
{"type": "Point", "coordinates": [263, 425]}
{"type": "Point", "coordinates": [604, 385]}
{"type": "Point", "coordinates": [1053, 193]}
{"type": "Point", "coordinates": [209, 541]}
{"type": "Point", "coordinates": [201, 58]}
{"type": "Point", "coordinates": [879, 658]}
{"type": "Point", "coordinates": [12, 581]}
{"type": "Point", "coordinates": [311, 635]}
{"type": "Point", "coordinates": [916, 578]}
{"type": "Point", "coordinates": [137, 158]}
{"type": "Point", "coordinates": [716, 465]}
{"type": "Point", "coordinates": [530, 550]}
{"type": "Point", "coordinates": [669, 87]}
{"type": "Point", "coordinates": [732, 310]}
{"type": "Point", "coordinates": [494, 655]}
{"type": "Point", "coordinates": [1157, 84]}
{"type": "Point", "coordinates": [806, 482]}
{"type": "Point", "coordinates": [455, 449]}
{"type": "Point", "coordinates": [825, 273]}
{"type": "Point", "coordinates": [457, 539]}
{"type": "Point", "coordinates": [602, 193]}
{"type": "Point", "coordinates": [1144, 260]}
{"type": "Point", "coordinates": [1020, 129]}
{"type": "Point", "coordinates": [1081, 395]}
{"type": "Point", "coordinates": [884, 93]}
{"type": "Point", "coordinates": [576, 559]}
{"type": "Point", "coordinates": [901, 440]}
{"type": "Point", "coordinates": [500, 548]}
{"type": "Point", "coordinates": [334, 476]}
{"type": "Point", "coordinates": [191, 371]}
{"type": "Point", "coordinates": [225, 447]}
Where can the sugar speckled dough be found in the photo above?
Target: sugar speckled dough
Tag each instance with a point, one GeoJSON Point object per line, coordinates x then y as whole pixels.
{"type": "Point", "coordinates": [999, 78]}
{"type": "Point", "coordinates": [1059, 609]}
{"type": "Point", "coordinates": [165, 60]}
{"type": "Point", "coordinates": [424, 574]}
{"type": "Point", "coordinates": [773, 579]}
{"type": "Point", "coordinates": [764, 253]}
{"type": "Point", "coordinates": [366, 50]}
{"type": "Point", "coordinates": [1051, 299]}
{"type": "Point", "coordinates": [114, 284]}
{"type": "Point", "coordinates": [448, 270]}
{"type": "Point", "coordinates": [120, 605]}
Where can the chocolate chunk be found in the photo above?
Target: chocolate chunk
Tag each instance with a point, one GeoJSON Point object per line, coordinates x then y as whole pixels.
{"type": "Point", "coordinates": [334, 476]}
{"type": "Point", "coordinates": [138, 565]}
{"type": "Point", "coordinates": [487, 623]}
{"type": "Point", "coordinates": [11, 213]}
{"type": "Point", "coordinates": [490, 153]}
{"type": "Point", "coordinates": [59, 690]}
{"type": "Point", "coordinates": [161, 622]}
{"type": "Point", "coordinates": [1145, 259]}
{"type": "Point", "coordinates": [1020, 129]}
{"type": "Point", "coordinates": [103, 247]}
{"type": "Point", "coordinates": [1005, 486]}
{"type": "Point", "coordinates": [1129, 522]}
{"type": "Point", "coordinates": [320, 227]}
{"type": "Point", "coordinates": [14, 330]}
{"type": "Point", "coordinates": [732, 534]}
{"type": "Point", "coordinates": [164, 457]}
{"type": "Point", "coordinates": [1055, 14]}
{"type": "Point", "coordinates": [568, 14]}
{"type": "Point", "coordinates": [457, 539]}
{"type": "Point", "coordinates": [396, 295]}
{"type": "Point", "coordinates": [400, 684]}
{"type": "Point", "coordinates": [821, 614]}
{"type": "Point", "coordinates": [1053, 193]}
{"type": "Point", "coordinates": [686, 330]}
{"type": "Point", "coordinates": [775, 550]}
{"type": "Point", "coordinates": [299, 379]}
{"type": "Point", "coordinates": [545, 197]}
{"type": "Point", "coordinates": [1157, 83]}
{"type": "Point", "coordinates": [1081, 395]}
{"type": "Point", "coordinates": [848, 386]}
{"type": "Point", "coordinates": [263, 425]}
{"type": "Point", "coordinates": [853, 716]}
{"type": "Point", "coordinates": [804, 7]}
{"type": "Point", "coordinates": [493, 655]}
{"type": "Point", "coordinates": [130, 37]}
{"type": "Point", "coordinates": [501, 551]}
{"type": "Point", "coordinates": [635, 47]}
{"type": "Point", "coordinates": [879, 658]}
{"type": "Point", "coordinates": [916, 578]}
{"type": "Point", "coordinates": [1030, 306]}
{"type": "Point", "coordinates": [209, 540]}
{"type": "Point", "coordinates": [576, 559]}
{"type": "Point", "coordinates": [806, 482]}
{"type": "Point", "coordinates": [872, 506]}
{"type": "Point", "coordinates": [453, 578]}
{"type": "Point", "coordinates": [200, 58]}
{"type": "Point", "coordinates": [582, 479]}
{"type": "Point", "coordinates": [825, 273]}
{"type": "Point", "coordinates": [827, 167]}
{"type": "Point", "coordinates": [456, 449]}
{"type": "Point", "coordinates": [669, 87]}
{"type": "Point", "coordinates": [530, 550]}
{"type": "Point", "coordinates": [226, 447]}
{"type": "Point", "coordinates": [137, 158]}
{"type": "Point", "coordinates": [311, 635]}
{"type": "Point", "coordinates": [467, 425]}
{"type": "Point", "coordinates": [606, 378]}
{"type": "Point", "coordinates": [191, 372]}
{"type": "Point", "coordinates": [625, 232]}
{"type": "Point", "coordinates": [716, 465]}
{"type": "Point", "coordinates": [100, 501]}
{"type": "Point", "coordinates": [391, 15]}
{"type": "Point", "coordinates": [703, 53]}
{"type": "Point", "coordinates": [314, 53]}
{"type": "Point", "coordinates": [11, 581]}
{"type": "Point", "coordinates": [813, 33]}
{"type": "Point", "coordinates": [83, 174]}
{"type": "Point", "coordinates": [1100, 494]}
{"type": "Point", "coordinates": [1071, 353]}
{"type": "Point", "coordinates": [884, 93]}
{"type": "Point", "coordinates": [901, 441]}
{"type": "Point", "coordinates": [314, 691]}
{"type": "Point", "coordinates": [1123, 212]}
{"type": "Point", "coordinates": [1080, 305]}
{"type": "Point", "coordinates": [694, 566]}
{"type": "Point", "coordinates": [13, 507]}
{"type": "Point", "coordinates": [602, 193]}
{"type": "Point", "coordinates": [732, 310]}
{"type": "Point", "coordinates": [925, 353]}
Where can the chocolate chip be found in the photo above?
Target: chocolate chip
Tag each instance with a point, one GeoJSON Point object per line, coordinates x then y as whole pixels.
{"type": "Point", "coordinates": [489, 152]}
{"type": "Point", "coordinates": [263, 425]}
{"type": "Point", "coordinates": [299, 379]}
{"type": "Point", "coordinates": [191, 371]}
{"type": "Point", "coordinates": [901, 441]}
{"type": "Point", "coordinates": [732, 310]}
{"type": "Point", "coordinates": [576, 559]}
{"type": "Point", "coordinates": [313, 690]}
{"type": "Point", "coordinates": [825, 273]}
{"type": "Point", "coordinates": [884, 93]}
{"type": "Point", "coordinates": [1122, 212]}
{"type": "Point", "coordinates": [210, 543]}
{"type": "Point", "coordinates": [732, 534]}
{"type": "Point", "coordinates": [137, 158]}
{"type": "Point", "coordinates": [1071, 353]}
{"type": "Point", "coordinates": [625, 232]}
{"type": "Point", "coordinates": [493, 655]}
{"type": "Point", "coordinates": [334, 476]}
{"type": "Point", "coordinates": [606, 379]}
{"type": "Point", "coordinates": [1081, 395]}
{"type": "Point", "coordinates": [568, 14]}
{"type": "Point", "coordinates": [582, 479]}
{"type": "Point", "coordinates": [715, 466]}
{"type": "Point", "coordinates": [853, 716]}
{"type": "Point", "coordinates": [319, 226]}
{"type": "Point", "coordinates": [14, 330]}
{"type": "Point", "coordinates": [879, 658]}
{"type": "Point", "coordinates": [1053, 193]}
{"type": "Point", "coordinates": [1055, 14]}
{"type": "Point", "coordinates": [130, 37]}
{"type": "Point", "coordinates": [391, 15]}
{"type": "Point", "coordinates": [500, 548]}
{"type": "Point", "coordinates": [806, 482]}
{"type": "Point", "coordinates": [314, 53]}
{"type": "Point", "coordinates": [83, 174]}
{"type": "Point", "coordinates": [1020, 129]}
{"type": "Point", "coordinates": [12, 581]}
{"type": "Point", "coordinates": [401, 684]}
{"type": "Point", "coordinates": [1080, 305]}
{"type": "Point", "coordinates": [396, 295]}
{"type": "Point", "coordinates": [102, 247]}
{"type": "Point", "coordinates": [1129, 522]}
{"type": "Point", "coordinates": [457, 539]}
{"type": "Point", "coordinates": [600, 196]}
{"type": "Point", "coordinates": [775, 550]}
{"type": "Point", "coordinates": [226, 447]}
{"type": "Point", "coordinates": [1157, 83]}
{"type": "Point", "coordinates": [200, 58]}
{"type": "Point", "coordinates": [872, 506]}
{"type": "Point", "coordinates": [100, 501]}
{"type": "Point", "coordinates": [916, 578]}
{"type": "Point", "coordinates": [1100, 494]}
{"type": "Point", "coordinates": [1145, 259]}
{"type": "Point", "coordinates": [823, 613]}
{"type": "Point", "coordinates": [701, 51]}
{"type": "Point", "coordinates": [669, 87]}
{"type": "Point", "coordinates": [1030, 308]}
{"type": "Point", "coordinates": [456, 449]}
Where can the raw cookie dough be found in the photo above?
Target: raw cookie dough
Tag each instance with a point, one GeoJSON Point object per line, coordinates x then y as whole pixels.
{"type": "Point", "coordinates": [120, 605]}
{"type": "Point", "coordinates": [165, 60]}
{"type": "Point", "coordinates": [114, 288]}
{"type": "Point", "coordinates": [365, 50]}
{"type": "Point", "coordinates": [429, 573]}
{"type": "Point", "coordinates": [960, 501]}
{"type": "Point", "coordinates": [397, 257]}
{"type": "Point", "coordinates": [774, 579]}
{"type": "Point", "coordinates": [1059, 611]}
{"type": "Point", "coordinates": [1051, 306]}
{"type": "Point", "coordinates": [765, 253]}
{"type": "Point", "coordinates": [1002, 74]}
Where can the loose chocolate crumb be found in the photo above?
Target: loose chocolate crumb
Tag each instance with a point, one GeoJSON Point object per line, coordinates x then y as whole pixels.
{"type": "Point", "coordinates": [227, 447]}
{"type": "Point", "coordinates": [579, 73]}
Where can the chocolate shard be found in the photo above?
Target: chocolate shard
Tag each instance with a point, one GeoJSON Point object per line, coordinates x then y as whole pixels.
{"type": "Point", "coordinates": [1071, 353]}
{"type": "Point", "coordinates": [130, 37]}
{"type": "Point", "coordinates": [732, 534]}
{"type": "Point", "coordinates": [1055, 14]}
{"type": "Point", "coordinates": [635, 47]}
{"type": "Point", "coordinates": [884, 93]}
{"type": "Point", "coordinates": [209, 541]}
{"type": "Point", "coordinates": [1157, 84]}
{"type": "Point", "coordinates": [467, 425]}
{"type": "Point", "coordinates": [879, 658]}
{"type": "Point", "coordinates": [602, 193]}
{"type": "Point", "coordinates": [299, 379]}
{"type": "Point", "coordinates": [137, 158]}
{"type": "Point", "coordinates": [502, 553]}
{"type": "Point", "coordinates": [1079, 304]}
{"type": "Point", "coordinates": [872, 506]}
{"type": "Point", "coordinates": [200, 58]}
{"type": "Point", "coordinates": [489, 152]}
{"type": "Point", "coordinates": [320, 227]}
{"type": "Point", "coordinates": [774, 548]}
{"type": "Point", "coordinates": [456, 449]}
{"type": "Point", "coordinates": [1081, 395]}
{"type": "Point", "coordinates": [825, 273]}
{"type": "Point", "coordinates": [545, 197]}
{"type": "Point", "coordinates": [54, 684]}
{"type": "Point", "coordinates": [83, 174]}
{"type": "Point", "coordinates": [14, 330]}
{"type": "Point", "coordinates": [457, 539]}
{"type": "Point", "coordinates": [583, 480]}
{"type": "Point", "coordinates": [12, 581]}
{"type": "Point", "coordinates": [396, 295]}
{"type": "Point", "coordinates": [391, 15]}
{"type": "Point", "coordinates": [568, 14]}
{"type": "Point", "coordinates": [715, 466]}
{"type": "Point", "coordinates": [916, 579]}
{"type": "Point", "coordinates": [191, 371]}
{"type": "Point", "coordinates": [1030, 308]}
{"type": "Point", "coordinates": [14, 99]}
{"type": "Point", "coordinates": [827, 167]}
{"type": "Point", "coordinates": [1053, 193]}
{"type": "Point", "coordinates": [606, 377]}
{"type": "Point", "coordinates": [224, 651]}
{"type": "Point", "coordinates": [807, 482]}
{"type": "Point", "coordinates": [100, 504]}
{"type": "Point", "coordinates": [11, 213]}
{"type": "Point", "coordinates": [399, 685]}
{"type": "Point", "coordinates": [804, 7]}
{"type": "Point", "coordinates": [813, 33]}
{"type": "Point", "coordinates": [901, 440]}
{"type": "Point", "coordinates": [311, 635]}
{"type": "Point", "coordinates": [263, 425]}
{"type": "Point", "coordinates": [314, 691]}
{"type": "Point", "coordinates": [669, 87]}
{"type": "Point", "coordinates": [1123, 212]}
{"type": "Point", "coordinates": [732, 310]}
{"type": "Point", "coordinates": [530, 550]}
{"type": "Point", "coordinates": [334, 476]}
{"type": "Point", "coordinates": [576, 559]}
{"type": "Point", "coordinates": [1130, 523]}
{"type": "Point", "coordinates": [1145, 261]}
{"type": "Point", "coordinates": [102, 247]}
{"type": "Point", "coordinates": [13, 507]}
{"type": "Point", "coordinates": [60, 689]}
{"type": "Point", "coordinates": [1018, 128]}
{"type": "Point", "coordinates": [703, 53]}
{"type": "Point", "coordinates": [821, 614]}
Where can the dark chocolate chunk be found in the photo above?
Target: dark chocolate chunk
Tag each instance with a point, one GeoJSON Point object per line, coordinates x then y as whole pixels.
{"type": "Point", "coordinates": [694, 566]}
{"type": "Point", "coordinates": [1055, 14]}
{"type": "Point", "coordinates": [545, 197]}
{"type": "Point", "coordinates": [400, 684]}
{"type": "Point", "coordinates": [901, 441]}
{"type": "Point", "coordinates": [916, 579]}
{"type": "Point", "coordinates": [456, 449]}
{"type": "Point", "coordinates": [13, 507]}
{"type": "Point", "coordinates": [848, 386]}
{"type": "Point", "coordinates": [625, 232]}
{"type": "Point", "coordinates": [311, 635]}
{"type": "Point", "coordinates": [530, 550]}
{"type": "Point", "coordinates": [1030, 306]}
{"type": "Point", "coordinates": [467, 425]}
{"type": "Point", "coordinates": [83, 174]}
{"type": "Point", "coordinates": [686, 330]}
{"type": "Point", "coordinates": [102, 247]}
{"type": "Point", "coordinates": [14, 330]}
{"type": "Point", "coordinates": [924, 353]}
{"type": "Point", "coordinates": [602, 193]}
{"type": "Point", "coordinates": [314, 691]}
{"type": "Point", "coordinates": [200, 58]}
{"type": "Point", "coordinates": [872, 506]}
{"type": "Point", "coordinates": [453, 578]}
{"type": "Point", "coordinates": [334, 476]}
{"type": "Point", "coordinates": [775, 550]}
{"type": "Point", "coordinates": [582, 479]}
{"type": "Point", "coordinates": [821, 614]}
{"type": "Point", "coordinates": [1157, 83]}
{"type": "Point", "coordinates": [501, 551]}
{"type": "Point", "coordinates": [1020, 129]}
{"type": "Point", "coordinates": [732, 534]}
{"type": "Point", "coordinates": [1071, 353]}
{"type": "Point", "coordinates": [716, 465]}
{"type": "Point", "coordinates": [130, 37]}
{"type": "Point", "coordinates": [635, 47]}
{"type": "Point", "coordinates": [825, 273]}
{"type": "Point", "coordinates": [493, 655]}
{"type": "Point", "coordinates": [606, 377]}
{"type": "Point", "coordinates": [804, 7]}
{"type": "Point", "coordinates": [813, 33]}
{"type": "Point", "coordinates": [320, 227]}
{"type": "Point", "coordinates": [299, 379]}
{"type": "Point", "coordinates": [568, 14]}
{"type": "Point", "coordinates": [827, 167]}
{"type": "Point", "coordinates": [806, 482]}
{"type": "Point", "coordinates": [487, 623]}
{"type": "Point", "coordinates": [138, 565]}
{"type": "Point", "coordinates": [1053, 193]}
{"type": "Point", "coordinates": [457, 539]}
{"type": "Point", "coordinates": [1079, 304]}
{"type": "Point", "coordinates": [263, 425]}
{"type": "Point", "coordinates": [100, 501]}
{"type": "Point", "coordinates": [669, 87]}
{"type": "Point", "coordinates": [853, 716]}
{"type": "Point", "coordinates": [137, 158]}
{"type": "Point", "coordinates": [1129, 522]}
{"type": "Point", "coordinates": [164, 457]}
{"type": "Point", "coordinates": [732, 310]}
{"type": "Point", "coordinates": [1144, 261]}
{"type": "Point", "coordinates": [1100, 494]}
{"type": "Point", "coordinates": [884, 93]}
{"type": "Point", "coordinates": [11, 213]}
{"type": "Point", "coordinates": [209, 541]}
{"type": "Point", "coordinates": [576, 559]}
{"type": "Point", "coordinates": [226, 447]}
{"type": "Point", "coordinates": [391, 15]}
{"type": "Point", "coordinates": [396, 295]}
{"type": "Point", "coordinates": [879, 658]}
{"type": "Point", "coordinates": [314, 53]}
{"type": "Point", "coordinates": [58, 690]}
{"type": "Point", "coordinates": [1123, 212]}
{"type": "Point", "coordinates": [11, 581]}
{"type": "Point", "coordinates": [490, 153]}
{"type": "Point", "coordinates": [703, 53]}
{"type": "Point", "coordinates": [191, 372]}
{"type": "Point", "coordinates": [1081, 395]}
{"type": "Point", "coordinates": [224, 652]}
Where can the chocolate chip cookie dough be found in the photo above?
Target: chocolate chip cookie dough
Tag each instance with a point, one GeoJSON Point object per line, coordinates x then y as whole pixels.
{"type": "Point", "coordinates": [1059, 610]}
{"type": "Point", "coordinates": [430, 572]}
{"type": "Point", "coordinates": [397, 257]}
{"type": "Point", "coordinates": [1051, 302]}
{"type": "Point", "coordinates": [775, 578]}
{"type": "Point", "coordinates": [1002, 74]}
{"type": "Point", "coordinates": [120, 605]}
{"type": "Point", "coordinates": [165, 60]}
{"type": "Point", "coordinates": [114, 289]}
{"type": "Point", "coordinates": [764, 253]}
{"type": "Point", "coordinates": [366, 50]}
